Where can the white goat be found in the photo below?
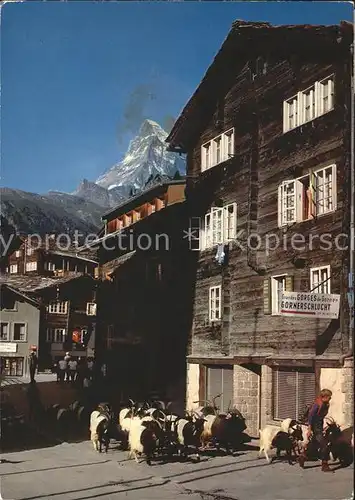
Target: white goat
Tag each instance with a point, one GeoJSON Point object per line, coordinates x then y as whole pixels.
{"type": "Point", "coordinates": [266, 437]}
{"type": "Point", "coordinates": [95, 418]}
{"type": "Point", "coordinates": [142, 437]}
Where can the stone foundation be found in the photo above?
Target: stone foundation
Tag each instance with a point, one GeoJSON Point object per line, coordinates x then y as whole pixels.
{"type": "Point", "coordinates": [246, 387]}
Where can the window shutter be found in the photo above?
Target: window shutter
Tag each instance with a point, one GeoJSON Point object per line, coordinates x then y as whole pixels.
{"type": "Point", "coordinates": [194, 239]}
{"type": "Point", "coordinates": [267, 296]}
{"type": "Point", "coordinates": [300, 108]}
{"type": "Point", "coordinates": [284, 389]}
{"type": "Point", "coordinates": [203, 159]}
{"type": "Point", "coordinates": [279, 206]}
{"type": "Point", "coordinates": [334, 187]}
{"type": "Point", "coordinates": [299, 201]}
{"type": "Point", "coordinates": [312, 195]}
{"type": "Point", "coordinates": [285, 116]}
{"type": "Point", "coordinates": [289, 284]}
{"type": "Point", "coordinates": [318, 99]}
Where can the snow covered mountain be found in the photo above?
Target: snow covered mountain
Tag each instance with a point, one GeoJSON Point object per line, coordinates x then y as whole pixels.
{"type": "Point", "coordinates": [145, 159]}
{"type": "Point", "coordinates": [145, 163]}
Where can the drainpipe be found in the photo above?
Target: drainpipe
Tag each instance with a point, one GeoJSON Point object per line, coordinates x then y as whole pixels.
{"type": "Point", "coordinates": [350, 351]}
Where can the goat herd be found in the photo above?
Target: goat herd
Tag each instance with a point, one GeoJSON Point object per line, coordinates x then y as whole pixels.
{"type": "Point", "coordinates": [151, 430]}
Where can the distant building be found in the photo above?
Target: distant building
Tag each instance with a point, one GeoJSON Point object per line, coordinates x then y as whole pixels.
{"type": "Point", "coordinates": [49, 257]}
{"type": "Point", "coordinates": [143, 297]}
{"type": "Point", "coordinates": [51, 314]}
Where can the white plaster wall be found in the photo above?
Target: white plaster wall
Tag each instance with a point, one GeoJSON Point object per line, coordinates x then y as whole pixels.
{"type": "Point", "coordinates": [331, 378]}
{"type": "Point", "coordinates": [192, 385]}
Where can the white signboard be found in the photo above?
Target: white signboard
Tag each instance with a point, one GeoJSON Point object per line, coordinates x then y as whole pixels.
{"type": "Point", "coordinates": [311, 305]}
{"type": "Point", "coordinates": [8, 347]}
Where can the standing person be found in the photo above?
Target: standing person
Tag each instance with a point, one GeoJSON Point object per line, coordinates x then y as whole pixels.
{"type": "Point", "coordinates": [62, 369]}
{"type": "Point", "coordinates": [33, 364]}
{"type": "Point", "coordinates": [90, 368]}
{"type": "Point", "coordinates": [73, 366]}
{"type": "Point", "coordinates": [67, 358]}
{"type": "Point", "coordinates": [317, 413]}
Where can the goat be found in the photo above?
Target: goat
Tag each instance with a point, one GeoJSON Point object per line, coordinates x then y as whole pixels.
{"type": "Point", "coordinates": [143, 438]}
{"type": "Point", "coordinates": [339, 445]}
{"type": "Point", "coordinates": [100, 422]}
{"type": "Point", "coordinates": [188, 433]}
{"type": "Point", "coordinates": [268, 441]}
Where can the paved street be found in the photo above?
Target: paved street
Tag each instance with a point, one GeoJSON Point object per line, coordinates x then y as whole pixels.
{"type": "Point", "coordinates": [76, 471]}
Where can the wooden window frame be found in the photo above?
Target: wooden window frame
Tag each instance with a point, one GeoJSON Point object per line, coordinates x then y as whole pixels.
{"type": "Point", "coordinates": [13, 331]}
{"type": "Point", "coordinates": [12, 358]}
{"type": "Point", "coordinates": [55, 335]}
{"type": "Point", "coordinates": [212, 308]}
{"type": "Point", "coordinates": [11, 269]}
{"type": "Point", "coordinates": [299, 102]}
{"type": "Point", "coordinates": [88, 305]}
{"type": "Point", "coordinates": [327, 283]}
{"type": "Point", "coordinates": [216, 227]}
{"type": "Point", "coordinates": [18, 253]}
{"type": "Point", "coordinates": [210, 160]}
{"type": "Point", "coordinates": [333, 195]}
{"type": "Point", "coordinates": [56, 309]}
{"type": "Point", "coordinates": [31, 266]}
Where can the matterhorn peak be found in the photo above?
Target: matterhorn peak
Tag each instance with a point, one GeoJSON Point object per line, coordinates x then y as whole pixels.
{"type": "Point", "coordinates": [150, 127]}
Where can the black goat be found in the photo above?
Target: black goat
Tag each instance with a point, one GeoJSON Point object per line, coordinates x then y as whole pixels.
{"type": "Point", "coordinates": [338, 445]}
{"type": "Point", "coordinates": [284, 441]}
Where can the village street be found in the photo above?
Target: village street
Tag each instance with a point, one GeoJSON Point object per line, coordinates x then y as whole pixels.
{"type": "Point", "coordinates": [75, 471]}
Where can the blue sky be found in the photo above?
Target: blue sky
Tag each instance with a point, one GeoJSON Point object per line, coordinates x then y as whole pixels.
{"type": "Point", "coordinates": [70, 72]}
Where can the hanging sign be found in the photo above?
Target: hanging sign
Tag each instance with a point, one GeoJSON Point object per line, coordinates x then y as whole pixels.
{"type": "Point", "coordinates": [312, 305]}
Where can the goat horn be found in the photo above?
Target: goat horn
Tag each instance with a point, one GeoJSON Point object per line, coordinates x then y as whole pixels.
{"type": "Point", "coordinates": [132, 402]}
{"type": "Point", "coordinates": [203, 401]}
{"type": "Point", "coordinates": [214, 399]}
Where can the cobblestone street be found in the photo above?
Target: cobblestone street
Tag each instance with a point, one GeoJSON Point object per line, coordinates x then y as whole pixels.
{"type": "Point", "coordinates": [75, 471]}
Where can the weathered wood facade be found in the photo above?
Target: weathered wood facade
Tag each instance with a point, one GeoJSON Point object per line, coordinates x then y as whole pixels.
{"type": "Point", "coordinates": [48, 257]}
{"type": "Point", "coordinates": [144, 300]}
{"type": "Point", "coordinates": [236, 94]}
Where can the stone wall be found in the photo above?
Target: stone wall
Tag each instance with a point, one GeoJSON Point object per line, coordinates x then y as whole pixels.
{"type": "Point", "coordinates": [246, 386]}
{"type": "Point", "coordinates": [266, 396]}
{"type": "Point", "coordinates": [192, 385]}
{"type": "Point", "coordinates": [347, 388]}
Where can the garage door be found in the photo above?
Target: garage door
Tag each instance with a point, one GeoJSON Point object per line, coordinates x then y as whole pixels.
{"type": "Point", "coordinates": [220, 381]}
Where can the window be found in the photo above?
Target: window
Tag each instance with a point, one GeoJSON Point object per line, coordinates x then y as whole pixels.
{"type": "Point", "coordinates": [152, 208]}
{"type": "Point", "coordinates": [4, 331]}
{"type": "Point", "coordinates": [13, 268]}
{"type": "Point", "coordinates": [220, 381]}
{"type": "Point", "coordinates": [50, 266]}
{"type": "Point", "coordinates": [220, 225]}
{"type": "Point", "coordinates": [273, 289]}
{"type": "Point", "coordinates": [215, 305]}
{"type": "Point", "coordinates": [84, 334]}
{"type": "Point", "coordinates": [20, 333]}
{"type": "Point", "coordinates": [325, 189]}
{"type": "Point", "coordinates": [292, 391]}
{"type": "Point", "coordinates": [18, 253]}
{"type": "Point", "coordinates": [55, 335]}
{"type": "Point", "coordinates": [29, 251]}
{"type": "Point", "coordinates": [58, 307]}
{"type": "Point", "coordinates": [12, 366]}
{"type": "Point", "coordinates": [320, 280]}
{"type": "Point", "coordinates": [217, 150]}
{"type": "Point", "coordinates": [31, 266]}
{"type": "Point", "coordinates": [309, 104]}
{"type": "Point", "coordinates": [312, 195]}
{"type": "Point", "coordinates": [91, 309]}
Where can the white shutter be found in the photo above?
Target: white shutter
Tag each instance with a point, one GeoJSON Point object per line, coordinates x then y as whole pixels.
{"type": "Point", "coordinates": [279, 206]}
{"type": "Point", "coordinates": [285, 116]}
{"type": "Point", "coordinates": [230, 221]}
{"type": "Point", "coordinates": [312, 187]}
{"type": "Point", "coordinates": [318, 99]}
{"type": "Point", "coordinates": [300, 109]}
{"type": "Point", "coordinates": [299, 201]}
{"type": "Point", "coordinates": [334, 187]}
{"type": "Point", "coordinates": [203, 158]}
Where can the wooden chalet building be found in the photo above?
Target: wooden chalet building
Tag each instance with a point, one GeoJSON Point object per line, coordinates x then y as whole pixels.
{"type": "Point", "coordinates": [143, 299]}
{"type": "Point", "coordinates": [267, 138]}
{"type": "Point", "coordinates": [51, 314]}
{"type": "Point", "coordinates": [49, 256]}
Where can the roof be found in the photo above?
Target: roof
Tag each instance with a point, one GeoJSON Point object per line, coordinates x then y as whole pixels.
{"type": "Point", "coordinates": [21, 294]}
{"type": "Point", "coordinates": [25, 283]}
{"type": "Point", "coordinates": [242, 35]}
{"type": "Point", "coordinates": [141, 198]}
{"type": "Point", "coordinates": [117, 263]}
{"type": "Point", "coordinates": [70, 254]}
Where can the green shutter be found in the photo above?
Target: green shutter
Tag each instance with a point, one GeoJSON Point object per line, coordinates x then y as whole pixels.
{"type": "Point", "coordinates": [267, 296]}
{"type": "Point", "coordinates": [289, 284]}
